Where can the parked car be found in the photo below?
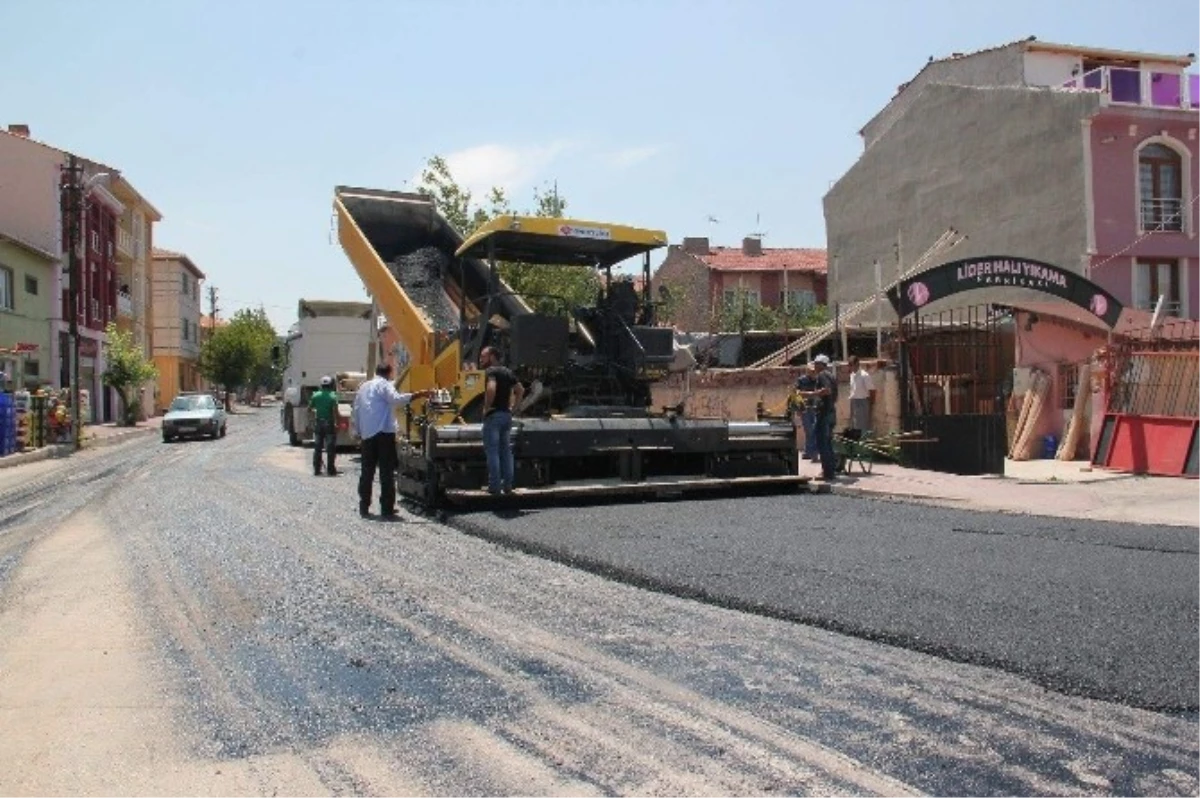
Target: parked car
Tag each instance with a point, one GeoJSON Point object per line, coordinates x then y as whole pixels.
{"type": "Point", "coordinates": [193, 414]}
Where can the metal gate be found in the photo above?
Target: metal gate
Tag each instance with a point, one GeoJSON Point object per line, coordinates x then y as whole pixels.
{"type": "Point", "coordinates": [956, 375]}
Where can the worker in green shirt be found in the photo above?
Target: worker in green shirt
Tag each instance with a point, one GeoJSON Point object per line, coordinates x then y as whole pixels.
{"type": "Point", "coordinates": [324, 407]}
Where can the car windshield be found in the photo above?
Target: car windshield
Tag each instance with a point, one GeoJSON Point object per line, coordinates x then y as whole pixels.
{"type": "Point", "coordinates": [187, 403]}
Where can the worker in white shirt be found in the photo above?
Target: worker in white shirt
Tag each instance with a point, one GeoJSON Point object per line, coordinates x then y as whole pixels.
{"type": "Point", "coordinates": [375, 423]}
{"type": "Point", "coordinates": [862, 394]}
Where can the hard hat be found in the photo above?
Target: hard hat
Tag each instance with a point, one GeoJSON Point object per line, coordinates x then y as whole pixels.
{"type": "Point", "coordinates": [822, 359]}
{"type": "Point", "coordinates": [326, 381]}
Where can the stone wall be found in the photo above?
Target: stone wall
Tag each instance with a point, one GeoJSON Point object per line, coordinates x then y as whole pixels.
{"type": "Point", "coordinates": [734, 394]}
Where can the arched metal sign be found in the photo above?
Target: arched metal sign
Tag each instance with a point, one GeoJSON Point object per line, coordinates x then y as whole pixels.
{"type": "Point", "coordinates": [997, 271]}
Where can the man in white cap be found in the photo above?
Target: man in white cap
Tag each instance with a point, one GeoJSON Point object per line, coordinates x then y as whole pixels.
{"type": "Point", "coordinates": [826, 397]}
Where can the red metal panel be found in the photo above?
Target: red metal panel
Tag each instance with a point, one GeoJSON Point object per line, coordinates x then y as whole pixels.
{"type": "Point", "coordinates": [1151, 444]}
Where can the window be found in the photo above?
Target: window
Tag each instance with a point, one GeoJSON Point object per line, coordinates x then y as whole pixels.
{"type": "Point", "coordinates": [33, 369]}
{"type": "Point", "coordinates": [185, 329]}
{"type": "Point", "coordinates": [31, 284]}
{"type": "Point", "coordinates": [798, 299]}
{"type": "Point", "coordinates": [1152, 278]}
{"type": "Point", "coordinates": [186, 288]}
{"type": "Point", "coordinates": [1068, 378]}
{"type": "Point", "coordinates": [1160, 188]}
{"type": "Point", "coordinates": [6, 288]}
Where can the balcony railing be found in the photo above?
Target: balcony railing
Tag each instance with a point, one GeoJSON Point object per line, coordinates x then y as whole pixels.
{"type": "Point", "coordinates": [1144, 87]}
{"type": "Point", "coordinates": [1169, 308]}
{"type": "Point", "coordinates": [125, 243]}
{"type": "Point", "coordinates": [124, 304]}
{"type": "Point", "coordinates": [1162, 215]}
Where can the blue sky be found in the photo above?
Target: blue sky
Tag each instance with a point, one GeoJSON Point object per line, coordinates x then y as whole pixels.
{"type": "Point", "coordinates": [237, 119]}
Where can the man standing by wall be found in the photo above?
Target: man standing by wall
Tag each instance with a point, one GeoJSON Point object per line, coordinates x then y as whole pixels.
{"type": "Point", "coordinates": [324, 404]}
{"type": "Point", "coordinates": [826, 396]}
{"type": "Point", "coordinates": [375, 423]}
{"type": "Point", "coordinates": [806, 383]}
{"type": "Point", "coordinates": [502, 393]}
{"type": "Point", "coordinates": [862, 393]}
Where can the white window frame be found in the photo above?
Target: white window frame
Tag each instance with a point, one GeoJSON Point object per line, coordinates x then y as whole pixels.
{"type": "Point", "coordinates": [8, 300]}
{"type": "Point", "coordinates": [1147, 302]}
{"type": "Point", "coordinates": [803, 299]}
{"type": "Point", "coordinates": [1185, 183]}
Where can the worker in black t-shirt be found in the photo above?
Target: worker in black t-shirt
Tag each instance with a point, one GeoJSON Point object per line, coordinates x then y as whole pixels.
{"type": "Point", "coordinates": [826, 396]}
{"type": "Point", "coordinates": [502, 393]}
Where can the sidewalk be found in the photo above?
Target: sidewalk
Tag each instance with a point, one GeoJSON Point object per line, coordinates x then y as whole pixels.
{"type": "Point", "coordinates": [95, 436]}
{"type": "Point", "coordinates": [1036, 487]}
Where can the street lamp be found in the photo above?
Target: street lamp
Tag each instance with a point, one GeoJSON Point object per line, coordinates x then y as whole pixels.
{"type": "Point", "coordinates": [76, 209]}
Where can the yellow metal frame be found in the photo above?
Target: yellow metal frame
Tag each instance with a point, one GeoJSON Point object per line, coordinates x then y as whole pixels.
{"type": "Point", "coordinates": [555, 241]}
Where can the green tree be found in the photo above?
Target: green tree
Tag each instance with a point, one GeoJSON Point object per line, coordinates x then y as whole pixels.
{"type": "Point", "coordinates": [741, 313]}
{"type": "Point", "coordinates": [238, 355]}
{"type": "Point", "coordinates": [549, 289]}
{"type": "Point", "coordinates": [126, 370]}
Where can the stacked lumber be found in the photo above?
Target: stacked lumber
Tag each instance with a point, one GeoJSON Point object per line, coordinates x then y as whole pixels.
{"type": "Point", "coordinates": [1080, 423]}
{"type": "Point", "coordinates": [1025, 442]}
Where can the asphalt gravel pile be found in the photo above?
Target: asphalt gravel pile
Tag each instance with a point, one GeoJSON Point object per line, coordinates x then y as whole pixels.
{"type": "Point", "coordinates": [420, 274]}
{"type": "Point", "coordinates": [1087, 608]}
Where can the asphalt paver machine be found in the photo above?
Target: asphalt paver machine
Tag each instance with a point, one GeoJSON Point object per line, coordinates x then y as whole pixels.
{"type": "Point", "coordinates": [587, 427]}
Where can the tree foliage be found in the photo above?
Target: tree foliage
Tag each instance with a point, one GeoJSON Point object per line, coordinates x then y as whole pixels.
{"type": "Point", "coordinates": [743, 312]}
{"type": "Point", "coordinates": [238, 354]}
{"type": "Point", "coordinates": [126, 370]}
{"type": "Point", "coordinates": [549, 289]}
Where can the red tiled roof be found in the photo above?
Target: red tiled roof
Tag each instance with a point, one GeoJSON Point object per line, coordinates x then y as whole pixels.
{"type": "Point", "coordinates": [733, 259]}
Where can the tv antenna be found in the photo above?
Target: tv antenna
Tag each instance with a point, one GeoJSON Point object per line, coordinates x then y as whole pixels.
{"type": "Point", "coordinates": [761, 234]}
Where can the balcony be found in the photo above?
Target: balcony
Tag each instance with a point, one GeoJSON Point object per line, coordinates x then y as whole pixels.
{"type": "Point", "coordinates": [124, 304]}
{"type": "Point", "coordinates": [130, 245]}
{"type": "Point", "coordinates": [125, 243]}
{"type": "Point", "coordinates": [1162, 215]}
{"type": "Point", "coordinates": [1141, 87]}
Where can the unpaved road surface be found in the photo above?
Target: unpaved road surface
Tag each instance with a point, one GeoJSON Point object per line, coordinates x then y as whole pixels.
{"type": "Point", "coordinates": [208, 618]}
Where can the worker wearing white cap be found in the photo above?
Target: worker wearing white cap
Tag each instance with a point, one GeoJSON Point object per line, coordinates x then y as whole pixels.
{"type": "Point", "coordinates": [826, 396]}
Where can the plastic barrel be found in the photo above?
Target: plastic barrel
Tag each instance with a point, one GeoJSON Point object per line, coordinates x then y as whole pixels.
{"type": "Point", "coordinates": [1049, 447]}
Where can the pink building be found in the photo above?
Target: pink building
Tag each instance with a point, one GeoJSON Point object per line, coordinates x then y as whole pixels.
{"type": "Point", "coordinates": [31, 211]}
{"type": "Point", "coordinates": [1081, 157]}
{"type": "Point", "coordinates": [1143, 206]}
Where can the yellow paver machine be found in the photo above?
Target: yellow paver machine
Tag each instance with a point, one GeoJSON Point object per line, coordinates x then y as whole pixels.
{"type": "Point", "coordinates": [587, 427]}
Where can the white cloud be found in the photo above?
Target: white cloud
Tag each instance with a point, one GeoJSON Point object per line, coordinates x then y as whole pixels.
{"type": "Point", "coordinates": [479, 168]}
{"type": "Point", "coordinates": [632, 156]}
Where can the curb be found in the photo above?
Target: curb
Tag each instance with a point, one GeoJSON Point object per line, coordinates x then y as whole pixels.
{"type": "Point", "coordinates": [57, 450]}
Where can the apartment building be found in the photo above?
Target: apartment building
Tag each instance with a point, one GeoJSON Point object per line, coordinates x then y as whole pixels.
{"type": "Point", "coordinates": [175, 282]}
{"type": "Point", "coordinates": [1081, 157]}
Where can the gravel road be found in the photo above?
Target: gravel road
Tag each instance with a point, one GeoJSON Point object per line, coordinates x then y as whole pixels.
{"type": "Point", "coordinates": [208, 617]}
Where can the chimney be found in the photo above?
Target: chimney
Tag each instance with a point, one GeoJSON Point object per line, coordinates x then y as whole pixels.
{"type": "Point", "coordinates": [695, 246]}
{"type": "Point", "coordinates": [751, 246]}
{"type": "Point", "coordinates": [19, 130]}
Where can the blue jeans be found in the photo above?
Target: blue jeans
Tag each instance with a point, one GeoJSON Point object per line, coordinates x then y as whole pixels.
{"type": "Point", "coordinates": [823, 432]}
{"type": "Point", "coordinates": [808, 420]}
{"type": "Point", "coordinates": [497, 445]}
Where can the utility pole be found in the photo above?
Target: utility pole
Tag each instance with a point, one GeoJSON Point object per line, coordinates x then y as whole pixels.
{"type": "Point", "coordinates": [212, 310]}
{"type": "Point", "coordinates": [72, 207]}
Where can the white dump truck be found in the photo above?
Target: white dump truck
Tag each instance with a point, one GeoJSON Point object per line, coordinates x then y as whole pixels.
{"type": "Point", "coordinates": [329, 339]}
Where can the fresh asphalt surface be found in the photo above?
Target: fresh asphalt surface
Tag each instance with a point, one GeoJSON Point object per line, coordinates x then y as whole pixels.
{"type": "Point", "coordinates": [1087, 608]}
{"type": "Point", "coordinates": [288, 623]}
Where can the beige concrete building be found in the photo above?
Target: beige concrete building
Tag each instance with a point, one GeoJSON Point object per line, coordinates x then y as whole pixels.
{"type": "Point", "coordinates": [176, 333]}
{"type": "Point", "coordinates": [135, 243]}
